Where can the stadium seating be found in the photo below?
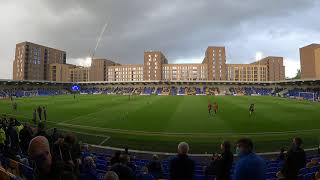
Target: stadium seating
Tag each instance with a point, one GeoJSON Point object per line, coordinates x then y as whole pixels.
{"type": "Point", "coordinates": [102, 165]}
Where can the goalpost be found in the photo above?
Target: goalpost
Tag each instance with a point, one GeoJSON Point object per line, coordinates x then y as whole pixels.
{"type": "Point", "coordinates": [308, 95]}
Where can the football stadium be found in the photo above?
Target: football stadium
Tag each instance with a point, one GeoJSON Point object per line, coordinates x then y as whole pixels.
{"type": "Point", "coordinates": [159, 90]}
{"type": "Point", "coordinates": [160, 114]}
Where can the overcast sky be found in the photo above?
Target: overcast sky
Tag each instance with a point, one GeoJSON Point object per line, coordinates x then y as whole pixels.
{"type": "Point", "coordinates": [181, 29]}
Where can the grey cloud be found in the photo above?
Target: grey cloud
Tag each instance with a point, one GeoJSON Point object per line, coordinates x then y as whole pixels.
{"type": "Point", "coordinates": [181, 29]}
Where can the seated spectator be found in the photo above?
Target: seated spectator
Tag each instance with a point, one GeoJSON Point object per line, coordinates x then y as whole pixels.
{"type": "Point", "coordinates": [110, 175]}
{"type": "Point", "coordinates": [181, 166]}
{"type": "Point", "coordinates": [122, 170]}
{"type": "Point", "coordinates": [130, 164]}
{"type": "Point", "coordinates": [45, 168]}
{"type": "Point", "coordinates": [281, 156]}
{"type": "Point", "coordinates": [250, 166]}
{"type": "Point", "coordinates": [155, 167]}
{"type": "Point", "coordinates": [86, 152]}
{"type": "Point", "coordinates": [89, 167]}
{"type": "Point", "coordinates": [211, 168]}
{"type": "Point", "coordinates": [224, 163]}
{"type": "Point", "coordinates": [25, 136]}
{"type": "Point", "coordinates": [296, 159]}
{"type": "Point", "coordinates": [115, 158]}
{"type": "Point", "coordinates": [144, 175]}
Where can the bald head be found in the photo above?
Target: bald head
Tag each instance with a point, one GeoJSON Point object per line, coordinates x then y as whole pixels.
{"type": "Point", "coordinates": [183, 148]}
{"type": "Point", "coordinates": [38, 145]}
{"type": "Point", "coordinates": [39, 152]}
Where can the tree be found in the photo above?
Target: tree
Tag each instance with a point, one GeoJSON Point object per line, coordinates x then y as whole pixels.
{"type": "Point", "coordinates": [298, 75]}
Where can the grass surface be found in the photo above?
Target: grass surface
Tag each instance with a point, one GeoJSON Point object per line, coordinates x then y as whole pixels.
{"type": "Point", "coordinates": [158, 123]}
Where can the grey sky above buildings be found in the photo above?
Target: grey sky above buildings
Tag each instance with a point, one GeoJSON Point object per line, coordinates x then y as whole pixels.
{"type": "Point", "coordinates": [181, 29]}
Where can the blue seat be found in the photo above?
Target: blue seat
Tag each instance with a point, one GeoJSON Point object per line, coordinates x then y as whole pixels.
{"type": "Point", "coordinates": [145, 177]}
{"type": "Point", "coordinates": [26, 171]}
{"type": "Point", "coordinates": [313, 169]}
{"type": "Point", "coordinates": [303, 171]}
{"type": "Point", "coordinates": [101, 167]}
{"type": "Point", "coordinates": [271, 175]}
{"type": "Point", "coordinates": [308, 176]}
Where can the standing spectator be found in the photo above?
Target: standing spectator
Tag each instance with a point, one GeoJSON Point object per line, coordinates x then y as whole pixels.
{"type": "Point", "coordinates": [39, 110]}
{"type": "Point", "coordinates": [296, 159]}
{"type": "Point", "coordinates": [44, 113]}
{"type": "Point", "coordinates": [224, 163]}
{"type": "Point", "coordinates": [122, 170]}
{"type": "Point", "coordinates": [126, 151]}
{"type": "Point", "coordinates": [212, 167]}
{"type": "Point", "coordinates": [45, 168]}
{"type": "Point", "coordinates": [155, 168]}
{"type": "Point", "coordinates": [13, 138]}
{"type": "Point", "coordinates": [181, 166]}
{"type": "Point", "coordinates": [34, 116]}
{"type": "Point", "coordinates": [25, 137]}
{"type": "Point", "coordinates": [250, 166]}
{"type": "Point", "coordinates": [41, 132]}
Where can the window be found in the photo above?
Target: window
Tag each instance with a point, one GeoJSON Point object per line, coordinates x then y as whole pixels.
{"type": "Point", "coordinates": [156, 55]}
{"type": "Point", "coordinates": [149, 55]}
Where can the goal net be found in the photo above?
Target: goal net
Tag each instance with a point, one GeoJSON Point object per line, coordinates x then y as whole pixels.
{"type": "Point", "coordinates": [308, 96]}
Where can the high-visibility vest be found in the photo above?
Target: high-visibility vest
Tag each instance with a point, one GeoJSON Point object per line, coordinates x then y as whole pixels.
{"type": "Point", "coordinates": [18, 128]}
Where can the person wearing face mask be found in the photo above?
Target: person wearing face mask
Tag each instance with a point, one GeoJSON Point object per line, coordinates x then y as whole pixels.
{"type": "Point", "coordinates": [296, 159]}
{"type": "Point", "coordinates": [249, 166]}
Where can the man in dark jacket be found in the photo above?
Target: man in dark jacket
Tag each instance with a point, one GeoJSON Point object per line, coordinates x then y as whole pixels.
{"type": "Point", "coordinates": [181, 166]}
{"type": "Point", "coordinates": [224, 162]}
{"type": "Point", "coordinates": [13, 137]}
{"type": "Point", "coordinates": [39, 110]}
{"type": "Point", "coordinates": [296, 159]}
{"type": "Point", "coordinates": [25, 136]}
{"type": "Point", "coordinates": [122, 170]}
{"type": "Point", "coordinates": [155, 167]}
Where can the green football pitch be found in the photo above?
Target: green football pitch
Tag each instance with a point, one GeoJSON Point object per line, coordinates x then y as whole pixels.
{"type": "Point", "coordinates": [158, 123]}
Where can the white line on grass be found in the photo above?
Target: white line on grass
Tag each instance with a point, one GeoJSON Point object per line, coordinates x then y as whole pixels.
{"type": "Point", "coordinates": [155, 133]}
{"type": "Point", "coordinates": [105, 140]}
